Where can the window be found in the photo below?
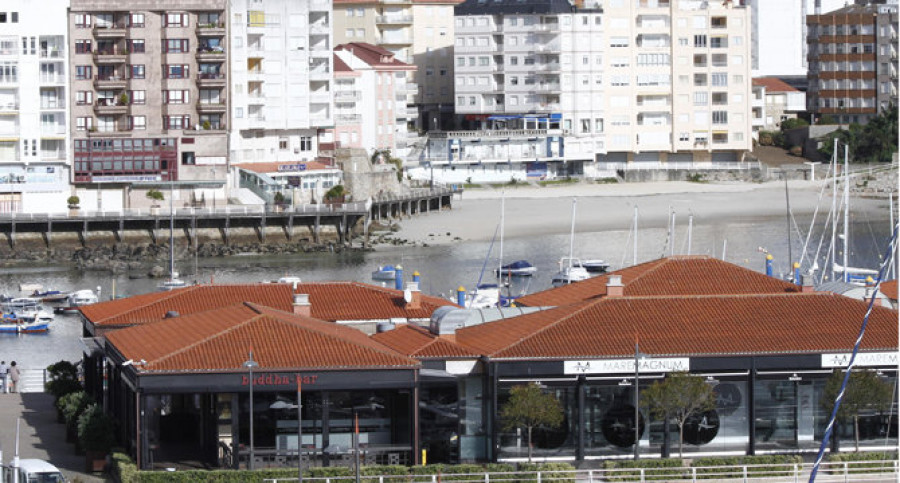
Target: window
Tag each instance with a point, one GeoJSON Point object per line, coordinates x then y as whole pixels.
{"type": "Point", "coordinates": [719, 98]}
{"type": "Point", "coordinates": [138, 97]}
{"type": "Point", "coordinates": [82, 21]}
{"type": "Point", "coordinates": [684, 137]}
{"type": "Point", "coordinates": [699, 80]}
{"type": "Point", "coordinates": [82, 46]}
{"type": "Point", "coordinates": [176, 97]}
{"type": "Point", "coordinates": [699, 41]}
{"type": "Point", "coordinates": [136, 46]}
{"type": "Point", "coordinates": [14, 17]}
{"type": "Point", "coordinates": [720, 117]}
{"type": "Point", "coordinates": [83, 72]}
{"type": "Point", "coordinates": [175, 46]}
{"type": "Point", "coordinates": [138, 122]}
{"type": "Point", "coordinates": [138, 71]}
{"type": "Point", "coordinates": [718, 42]}
{"type": "Point", "coordinates": [598, 122]}
{"type": "Point", "coordinates": [136, 20]}
{"type": "Point", "coordinates": [175, 20]}
{"type": "Point", "coordinates": [283, 144]}
{"type": "Point", "coordinates": [719, 79]}
{"type": "Point", "coordinates": [349, 33]}
{"type": "Point", "coordinates": [176, 122]}
{"type": "Point", "coordinates": [701, 98]}
{"type": "Point", "coordinates": [306, 143]}
{"type": "Point", "coordinates": [460, 61]}
{"type": "Point", "coordinates": [84, 98]}
{"type": "Point", "coordinates": [84, 123]}
{"type": "Point", "coordinates": [618, 42]}
{"type": "Point", "coordinates": [461, 100]}
{"type": "Point", "coordinates": [176, 71]}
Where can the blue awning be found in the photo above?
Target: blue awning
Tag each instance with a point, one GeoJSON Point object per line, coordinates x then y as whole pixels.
{"type": "Point", "coordinates": [503, 117]}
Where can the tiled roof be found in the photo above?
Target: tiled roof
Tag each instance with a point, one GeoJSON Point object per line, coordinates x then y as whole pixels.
{"type": "Point", "coordinates": [678, 275]}
{"type": "Point", "coordinates": [151, 307]}
{"type": "Point", "coordinates": [340, 66]}
{"type": "Point", "coordinates": [417, 2]}
{"type": "Point", "coordinates": [272, 167]}
{"type": "Point", "coordinates": [889, 288]}
{"type": "Point", "coordinates": [773, 84]}
{"type": "Point", "coordinates": [377, 57]}
{"type": "Point", "coordinates": [220, 340]}
{"type": "Point", "coordinates": [417, 342]}
{"type": "Point", "coordinates": [693, 325]}
{"type": "Point", "coordinates": [361, 301]}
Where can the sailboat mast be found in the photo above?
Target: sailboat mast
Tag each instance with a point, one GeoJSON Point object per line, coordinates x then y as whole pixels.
{"type": "Point", "coordinates": [846, 212]}
{"type": "Point", "coordinates": [690, 231]}
{"type": "Point", "coordinates": [572, 234]}
{"type": "Point", "coordinates": [171, 230]}
{"type": "Point", "coordinates": [834, 213]}
{"type": "Point", "coordinates": [672, 233]}
{"type": "Point", "coordinates": [634, 255]}
{"type": "Point", "coordinates": [502, 213]}
{"type": "Point", "coordinates": [787, 200]}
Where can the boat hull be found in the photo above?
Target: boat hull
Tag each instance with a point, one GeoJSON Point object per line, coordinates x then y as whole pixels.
{"type": "Point", "coordinates": [35, 328]}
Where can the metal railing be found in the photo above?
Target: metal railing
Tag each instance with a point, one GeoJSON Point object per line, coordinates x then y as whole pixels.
{"type": "Point", "coordinates": [678, 165]}
{"type": "Point", "coordinates": [32, 380]}
{"type": "Point", "coordinates": [855, 471]}
{"type": "Point", "coordinates": [353, 207]}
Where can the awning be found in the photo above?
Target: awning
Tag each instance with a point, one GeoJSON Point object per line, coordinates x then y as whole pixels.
{"type": "Point", "coordinates": [503, 117]}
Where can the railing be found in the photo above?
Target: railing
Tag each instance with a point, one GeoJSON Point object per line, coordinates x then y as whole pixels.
{"type": "Point", "coordinates": [842, 471]}
{"type": "Point", "coordinates": [32, 380]}
{"type": "Point", "coordinates": [352, 207]}
{"type": "Point", "coordinates": [272, 458]}
{"type": "Point", "coordinates": [678, 165]}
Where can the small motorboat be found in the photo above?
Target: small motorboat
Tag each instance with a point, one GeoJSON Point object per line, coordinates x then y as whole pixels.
{"type": "Point", "coordinates": [484, 296]}
{"type": "Point", "coordinates": [12, 324]}
{"type": "Point", "coordinates": [20, 303]}
{"type": "Point", "coordinates": [78, 298]}
{"type": "Point", "coordinates": [595, 265]}
{"type": "Point", "coordinates": [518, 268]}
{"type": "Point", "coordinates": [289, 279]}
{"type": "Point", "coordinates": [570, 271]}
{"type": "Point", "coordinates": [387, 272]}
{"type": "Point", "coordinates": [50, 295]}
{"type": "Point", "coordinates": [171, 284]}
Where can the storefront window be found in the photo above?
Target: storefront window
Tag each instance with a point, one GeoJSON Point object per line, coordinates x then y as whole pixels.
{"type": "Point", "coordinates": [472, 443]}
{"type": "Point", "coordinates": [546, 443]}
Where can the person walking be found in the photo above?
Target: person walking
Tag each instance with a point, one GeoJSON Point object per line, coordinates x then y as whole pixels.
{"type": "Point", "coordinates": [14, 376]}
{"type": "Point", "coordinates": [4, 369]}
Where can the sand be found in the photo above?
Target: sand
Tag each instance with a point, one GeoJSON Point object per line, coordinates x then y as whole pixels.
{"type": "Point", "coordinates": [535, 211]}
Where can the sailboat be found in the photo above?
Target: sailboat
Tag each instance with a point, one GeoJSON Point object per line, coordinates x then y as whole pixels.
{"type": "Point", "coordinates": [854, 275]}
{"type": "Point", "coordinates": [173, 281]}
{"type": "Point", "coordinates": [570, 268]}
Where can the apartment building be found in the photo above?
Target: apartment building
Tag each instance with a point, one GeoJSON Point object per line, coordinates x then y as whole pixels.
{"type": "Point", "coordinates": [149, 98]}
{"type": "Point", "coordinates": [679, 83]}
{"type": "Point", "coordinates": [853, 62]}
{"type": "Point", "coordinates": [417, 32]}
{"type": "Point", "coordinates": [370, 98]}
{"type": "Point", "coordinates": [774, 101]}
{"type": "Point", "coordinates": [34, 167]}
{"type": "Point", "coordinates": [281, 79]}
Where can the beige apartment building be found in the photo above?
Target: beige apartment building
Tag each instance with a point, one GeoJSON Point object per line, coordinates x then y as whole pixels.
{"type": "Point", "coordinates": [418, 32]}
{"type": "Point", "coordinates": [149, 98]}
{"type": "Point", "coordinates": [678, 82]}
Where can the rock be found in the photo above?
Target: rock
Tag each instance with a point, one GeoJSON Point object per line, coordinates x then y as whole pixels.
{"type": "Point", "coordinates": [157, 272]}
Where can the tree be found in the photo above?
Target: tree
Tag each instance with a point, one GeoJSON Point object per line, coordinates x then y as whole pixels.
{"type": "Point", "coordinates": [876, 142]}
{"type": "Point", "coordinates": [529, 407]}
{"type": "Point", "coordinates": [73, 201]}
{"type": "Point", "coordinates": [865, 392]}
{"type": "Point", "coordinates": [679, 396]}
{"type": "Point", "coordinates": [793, 123]}
{"type": "Point", "coordinates": [155, 195]}
{"type": "Point", "coordinates": [335, 192]}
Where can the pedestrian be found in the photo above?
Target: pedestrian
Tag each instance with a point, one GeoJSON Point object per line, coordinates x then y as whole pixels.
{"type": "Point", "coordinates": [4, 369]}
{"type": "Point", "coordinates": [14, 376]}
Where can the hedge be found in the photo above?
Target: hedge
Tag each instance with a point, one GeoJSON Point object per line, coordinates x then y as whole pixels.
{"type": "Point", "coordinates": [860, 457]}
{"type": "Point", "coordinates": [769, 465]}
{"type": "Point", "coordinates": [654, 469]}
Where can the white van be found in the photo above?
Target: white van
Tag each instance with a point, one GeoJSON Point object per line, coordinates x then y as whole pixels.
{"type": "Point", "coordinates": [35, 471]}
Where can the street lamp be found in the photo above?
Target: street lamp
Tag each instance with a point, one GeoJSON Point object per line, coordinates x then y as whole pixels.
{"type": "Point", "coordinates": [299, 406]}
{"type": "Point", "coordinates": [637, 410]}
{"type": "Point", "coordinates": [250, 364]}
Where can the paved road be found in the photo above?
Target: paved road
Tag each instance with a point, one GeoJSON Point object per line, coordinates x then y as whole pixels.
{"type": "Point", "coordinates": [40, 436]}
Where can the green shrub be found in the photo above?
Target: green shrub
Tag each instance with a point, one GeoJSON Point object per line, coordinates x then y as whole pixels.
{"type": "Point", "coordinates": [796, 150]}
{"type": "Point", "coordinates": [71, 406]}
{"type": "Point", "coordinates": [72, 201]}
{"type": "Point", "coordinates": [330, 471]}
{"type": "Point", "coordinates": [549, 471]}
{"type": "Point", "coordinates": [123, 469]}
{"type": "Point", "coordinates": [859, 460]}
{"type": "Point", "coordinates": [661, 469]}
{"type": "Point", "coordinates": [96, 429]}
{"type": "Point", "coordinates": [758, 466]}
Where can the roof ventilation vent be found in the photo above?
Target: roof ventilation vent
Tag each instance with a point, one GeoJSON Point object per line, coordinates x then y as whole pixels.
{"type": "Point", "coordinates": [171, 314]}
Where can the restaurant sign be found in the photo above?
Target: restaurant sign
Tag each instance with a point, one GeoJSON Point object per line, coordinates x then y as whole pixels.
{"type": "Point", "coordinates": [862, 359]}
{"type": "Point", "coordinates": [292, 167]}
{"type": "Point", "coordinates": [272, 380]}
{"type": "Point", "coordinates": [626, 366]}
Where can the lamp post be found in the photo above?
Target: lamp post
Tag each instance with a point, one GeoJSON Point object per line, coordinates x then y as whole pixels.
{"type": "Point", "coordinates": [250, 364]}
{"type": "Point", "coordinates": [637, 410]}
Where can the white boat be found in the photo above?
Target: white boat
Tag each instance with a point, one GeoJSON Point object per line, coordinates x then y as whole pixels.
{"type": "Point", "coordinates": [594, 265]}
{"type": "Point", "coordinates": [11, 324]}
{"type": "Point", "coordinates": [518, 268]}
{"type": "Point", "coordinates": [288, 279]}
{"type": "Point", "coordinates": [30, 287]}
{"type": "Point", "coordinates": [387, 272]}
{"type": "Point", "coordinates": [173, 281]}
{"type": "Point", "coordinates": [78, 298]}
{"type": "Point", "coordinates": [20, 303]}
{"type": "Point", "coordinates": [484, 296]}
{"type": "Point", "coordinates": [571, 270]}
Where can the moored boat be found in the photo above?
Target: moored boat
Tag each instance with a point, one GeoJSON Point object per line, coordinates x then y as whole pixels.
{"type": "Point", "coordinates": [518, 268]}
{"type": "Point", "coordinates": [595, 265]}
{"type": "Point", "coordinates": [387, 272]}
{"type": "Point", "coordinates": [570, 271]}
{"type": "Point", "coordinates": [50, 295]}
{"type": "Point", "coordinates": [77, 299]}
{"type": "Point", "coordinates": [12, 324]}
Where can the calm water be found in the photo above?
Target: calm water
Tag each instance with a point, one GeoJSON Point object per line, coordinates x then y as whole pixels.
{"type": "Point", "coordinates": [442, 268]}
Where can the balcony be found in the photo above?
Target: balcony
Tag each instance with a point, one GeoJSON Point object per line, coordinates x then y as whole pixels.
{"type": "Point", "coordinates": [215, 29]}
{"type": "Point", "coordinates": [394, 19]}
{"type": "Point", "coordinates": [211, 54]}
{"type": "Point", "coordinates": [546, 27]}
{"type": "Point", "coordinates": [110, 56]}
{"type": "Point", "coordinates": [51, 79]}
{"type": "Point", "coordinates": [345, 96]}
{"type": "Point", "coordinates": [110, 31]}
{"type": "Point", "coordinates": [211, 107]}
{"type": "Point", "coordinates": [53, 155]}
{"type": "Point", "coordinates": [255, 75]}
{"type": "Point", "coordinates": [395, 40]}
{"type": "Point", "coordinates": [114, 131]}
{"type": "Point", "coordinates": [51, 104]}
{"type": "Point", "coordinates": [211, 80]}
{"type": "Point", "coordinates": [110, 107]}
{"type": "Point", "coordinates": [319, 73]}
{"type": "Point", "coordinates": [319, 28]}
{"type": "Point", "coordinates": [206, 128]}
{"type": "Point", "coordinates": [347, 118]}
{"type": "Point", "coordinates": [53, 131]}
{"type": "Point", "coordinates": [9, 107]}
{"type": "Point", "coordinates": [110, 82]}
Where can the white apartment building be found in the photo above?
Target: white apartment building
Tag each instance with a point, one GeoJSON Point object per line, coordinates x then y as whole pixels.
{"type": "Point", "coordinates": [34, 92]}
{"type": "Point", "coordinates": [370, 99]}
{"type": "Point", "coordinates": [678, 83]}
{"type": "Point", "coordinates": [774, 102]}
{"type": "Point", "coordinates": [281, 79]}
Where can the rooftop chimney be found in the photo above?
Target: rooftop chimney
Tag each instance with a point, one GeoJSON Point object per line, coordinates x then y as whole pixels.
{"type": "Point", "coordinates": [614, 287]}
{"type": "Point", "coordinates": [301, 304]}
{"type": "Point", "coordinates": [412, 296]}
{"type": "Point", "coordinates": [806, 283]}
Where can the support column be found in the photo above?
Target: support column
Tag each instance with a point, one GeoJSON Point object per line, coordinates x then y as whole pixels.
{"type": "Point", "coordinates": [12, 232]}
{"type": "Point", "coordinates": [262, 227]}
{"type": "Point", "coordinates": [225, 232]}
{"type": "Point", "coordinates": [316, 229]}
{"type": "Point", "coordinates": [49, 231]}
{"type": "Point", "coordinates": [580, 407]}
{"type": "Point", "coordinates": [751, 408]}
{"type": "Point", "coordinates": [345, 229]}
{"type": "Point", "coordinates": [290, 228]}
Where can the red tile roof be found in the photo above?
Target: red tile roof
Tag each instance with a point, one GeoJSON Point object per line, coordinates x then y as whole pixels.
{"type": "Point", "coordinates": [773, 84]}
{"type": "Point", "coordinates": [377, 57]}
{"type": "Point", "coordinates": [889, 288]}
{"type": "Point", "coordinates": [153, 306]}
{"type": "Point", "coordinates": [272, 167]}
{"type": "Point", "coordinates": [219, 341]}
{"type": "Point", "coordinates": [418, 342]}
{"type": "Point", "coordinates": [341, 67]}
{"type": "Point", "coordinates": [677, 275]}
{"type": "Point", "coordinates": [692, 325]}
{"type": "Point", "coordinates": [361, 301]}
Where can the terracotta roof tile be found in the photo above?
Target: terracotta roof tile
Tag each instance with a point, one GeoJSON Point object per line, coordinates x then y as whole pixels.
{"type": "Point", "coordinates": [678, 275]}
{"type": "Point", "coordinates": [889, 288]}
{"type": "Point", "coordinates": [681, 325]}
{"type": "Point", "coordinates": [219, 341]}
{"type": "Point", "coordinates": [361, 301]}
{"type": "Point", "coordinates": [773, 84]}
{"type": "Point", "coordinates": [151, 307]}
{"type": "Point", "coordinates": [272, 167]}
{"type": "Point", "coordinates": [418, 342]}
{"type": "Point", "coordinates": [377, 57]}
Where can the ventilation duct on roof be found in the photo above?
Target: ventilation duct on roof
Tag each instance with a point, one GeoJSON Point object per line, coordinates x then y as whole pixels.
{"type": "Point", "coordinates": [448, 319]}
{"type": "Point", "coordinates": [172, 314]}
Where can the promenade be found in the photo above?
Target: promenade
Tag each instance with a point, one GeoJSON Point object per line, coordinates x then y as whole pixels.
{"type": "Point", "coordinates": [40, 436]}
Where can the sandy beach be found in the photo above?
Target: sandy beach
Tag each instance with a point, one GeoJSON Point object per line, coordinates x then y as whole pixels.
{"type": "Point", "coordinates": [534, 211]}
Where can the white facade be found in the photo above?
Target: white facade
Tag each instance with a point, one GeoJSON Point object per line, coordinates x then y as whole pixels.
{"type": "Point", "coordinates": [281, 79]}
{"type": "Point", "coordinates": [34, 92]}
{"type": "Point", "coordinates": [779, 34]}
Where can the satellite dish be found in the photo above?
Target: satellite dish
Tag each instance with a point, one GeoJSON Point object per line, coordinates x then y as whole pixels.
{"type": "Point", "coordinates": [407, 295]}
